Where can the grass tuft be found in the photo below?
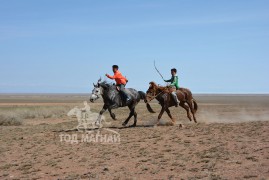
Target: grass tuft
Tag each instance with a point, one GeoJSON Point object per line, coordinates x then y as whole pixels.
{"type": "Point", "coordinates": [13, 116]}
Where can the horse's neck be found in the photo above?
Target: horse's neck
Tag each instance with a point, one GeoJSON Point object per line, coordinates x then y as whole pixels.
{"type": "Point", "coordinates": [104, 93]}
{"type": "Point", "coordinates": [160, 92]}
{"type": "Point", "coordinates": [110, 94]}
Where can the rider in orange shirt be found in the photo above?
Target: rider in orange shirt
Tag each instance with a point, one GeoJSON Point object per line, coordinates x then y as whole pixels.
{"type": "Point", "coordinates": [120, 81]}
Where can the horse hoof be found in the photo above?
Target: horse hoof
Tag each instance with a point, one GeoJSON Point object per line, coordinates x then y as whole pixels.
{"type": "Point", "coordinates": [134, 125]}
{"type": "Point", "coordinates": [113, 117]}
{"type": "Point", "coordinates": [124, 124]}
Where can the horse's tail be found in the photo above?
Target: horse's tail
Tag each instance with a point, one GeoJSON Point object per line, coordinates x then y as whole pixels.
{"type": "Point", "coordinates": [143, 96]}
{"type": "Point", "coordinates": [195, 105]}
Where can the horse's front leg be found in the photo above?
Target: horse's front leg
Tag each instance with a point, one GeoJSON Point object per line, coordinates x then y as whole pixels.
{"type": "Point", "coordinates": [171, 117]}
{"type": "Point", "coordinates": [113, 116]}
{"type": "Point", "coordinates": [160, 115]}
{"type": "Point", "coordinates": [98, 121]}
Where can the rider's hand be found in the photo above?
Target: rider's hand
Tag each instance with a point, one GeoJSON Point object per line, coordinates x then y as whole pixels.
{"type": "Point", "coordinates": [106, 75]}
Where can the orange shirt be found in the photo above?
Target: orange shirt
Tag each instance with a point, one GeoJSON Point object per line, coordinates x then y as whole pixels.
{"type": "Point", "coordinates": [119, 78]}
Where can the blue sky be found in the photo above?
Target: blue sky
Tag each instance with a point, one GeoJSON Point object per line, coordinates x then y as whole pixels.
{"type": "Point", "coordinates": [49, 46]}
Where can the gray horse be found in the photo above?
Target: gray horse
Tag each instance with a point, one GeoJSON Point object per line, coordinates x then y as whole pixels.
{"type": "Point", "coordinates": [113, 99]}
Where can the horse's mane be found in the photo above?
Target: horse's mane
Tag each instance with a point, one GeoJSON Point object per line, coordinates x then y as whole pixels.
{"type": "Point", "coordinates": [156, 86]}
{"type": "Point", "coordinates": [106, 84]}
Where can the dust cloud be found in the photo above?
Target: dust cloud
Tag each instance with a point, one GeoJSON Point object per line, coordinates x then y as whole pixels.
{"type": "Point", "coordinates": [214, 116]}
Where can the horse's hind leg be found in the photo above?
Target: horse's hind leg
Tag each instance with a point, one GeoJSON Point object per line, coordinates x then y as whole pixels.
{"type": "Point", "coordinates": [129, 117]}
{"type": "Point", "coordinates": [192, 110]}
{"type": "Point", "coordinates": [169, 114]}
{"type": "Point", "coordinates": [135, 118]}
{"type": "Point", "coordinates": [187, 109]}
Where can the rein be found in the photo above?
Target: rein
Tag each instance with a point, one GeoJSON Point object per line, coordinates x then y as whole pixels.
{"type": "Point", "coordinates": [153, 97]}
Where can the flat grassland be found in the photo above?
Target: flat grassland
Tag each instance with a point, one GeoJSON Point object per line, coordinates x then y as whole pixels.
{"type": "Point", "coordinates": [230, 140]}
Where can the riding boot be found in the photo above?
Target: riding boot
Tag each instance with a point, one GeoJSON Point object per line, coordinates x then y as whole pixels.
{"type": "Point", "coordinates": [126, 95]}
{"type": "Point", "coordinates": [175, 99]}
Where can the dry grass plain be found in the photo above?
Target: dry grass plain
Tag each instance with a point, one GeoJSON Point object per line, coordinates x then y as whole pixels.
{"type": "Point", "coordinates": [229, 142]}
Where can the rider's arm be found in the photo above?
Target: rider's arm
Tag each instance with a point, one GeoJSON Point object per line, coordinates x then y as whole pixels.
{"type": "Point", "coordinates": [170, 80]}
{"type": "Point", "coordinates": [110, 77]}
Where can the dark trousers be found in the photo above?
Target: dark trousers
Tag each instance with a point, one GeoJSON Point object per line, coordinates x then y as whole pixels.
{"type": "Point", "coordinates": [122, 90]}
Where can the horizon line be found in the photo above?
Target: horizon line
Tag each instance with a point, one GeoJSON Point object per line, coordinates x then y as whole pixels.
{"type": "Point", "coordinates": [84, 93]}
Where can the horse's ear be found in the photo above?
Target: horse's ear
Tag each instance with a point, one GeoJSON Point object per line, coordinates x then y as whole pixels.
{"type": "Point", "coordinates": [94, 85]}
{"type": "Point", "coordinates": [99, 80]}
{"type": "Point", "coordinates": [102, 85]}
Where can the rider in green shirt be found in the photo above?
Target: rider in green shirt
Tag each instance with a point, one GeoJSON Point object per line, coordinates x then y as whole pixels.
{"type": "Point", "coordinates": [174, 84]}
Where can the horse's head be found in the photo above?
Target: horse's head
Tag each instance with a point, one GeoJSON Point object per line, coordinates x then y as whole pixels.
{"type": "Point", "coordinates": [155, 90]}
{"type": "Point", "coordinates": [152, 91]}
{"type": "Point", "coordinates": [98, 90]}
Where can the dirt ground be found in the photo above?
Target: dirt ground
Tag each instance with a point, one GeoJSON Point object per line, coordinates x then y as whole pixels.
{"type": "Point", "coordinates": [230, 141]}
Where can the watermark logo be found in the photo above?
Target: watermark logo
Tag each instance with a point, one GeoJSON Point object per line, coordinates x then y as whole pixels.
{"type": "Point", "coordinates": [104, 136]}
{"type": "Point", "coordinates": [87, 119]}
{"type": "Point", "coordinates": [90, 125]}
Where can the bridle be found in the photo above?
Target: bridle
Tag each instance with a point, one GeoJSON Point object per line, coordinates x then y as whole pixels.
{"type": "Point", "coordinates": [100, 93]}
{"type": "Point", "coordinates": [155, 95]}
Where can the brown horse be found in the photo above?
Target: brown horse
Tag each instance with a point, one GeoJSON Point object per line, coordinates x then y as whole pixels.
{"type": "Point", "coordinates": [163, 95]}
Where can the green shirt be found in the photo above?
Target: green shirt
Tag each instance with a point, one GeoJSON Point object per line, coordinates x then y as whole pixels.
{"type": "Point", "coordinates": [174, 81]}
